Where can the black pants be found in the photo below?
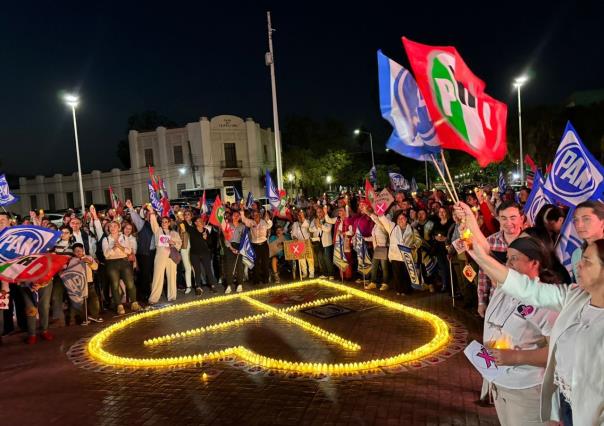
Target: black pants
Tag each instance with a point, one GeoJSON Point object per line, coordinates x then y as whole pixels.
{"type": "Point", "coordinates": [231, 262]}
{"type": "Point", "coordinates": [16, 304]}
{"type": "Point", "coordinates": [262, 265]}
{"type": "Point", "coordinates": [202, 262]}
{"type": "Point", "coordinates": [400, 277]}
{"type": "Point", "coordinates": [145, 275]}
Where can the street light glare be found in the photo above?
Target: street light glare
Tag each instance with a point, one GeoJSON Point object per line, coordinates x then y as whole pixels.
{"type": "Point", "coordinates": [328, 179]}
{"type": "Point", "coordinates": [357, 131]}
{"type": "Point", "coordinates": [519, 81]}
{"type": "Point", "coordinates": [71, 100]}
{"type": "Point", "coordinates": [182, 170]}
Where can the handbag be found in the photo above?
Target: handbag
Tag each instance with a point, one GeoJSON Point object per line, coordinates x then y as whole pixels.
{"type": "Point", "coordinates": [175, 255]}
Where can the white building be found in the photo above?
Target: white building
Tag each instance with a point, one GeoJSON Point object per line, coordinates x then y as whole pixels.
{"type": "Point", "coordinates": [212, 153]}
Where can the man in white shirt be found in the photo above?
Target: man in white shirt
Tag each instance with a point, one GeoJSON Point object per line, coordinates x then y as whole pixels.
{"type": "Point", "coordinates": [259, 232]}
{"type": "Point", "coordinates": [79, 236]}
{"type": "Point", "coordinates": [301, 231]}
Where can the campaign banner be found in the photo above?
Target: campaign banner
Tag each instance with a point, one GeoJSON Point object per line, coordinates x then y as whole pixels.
{"type": "Point", "coordinates": [576, 175]}
{"type": "Point", "coordinates": [483, 361]}
{"type": "Point", "coordinates": [297, 249]}
{"type": "Point", "coordinates": [75, 282]}
{"type": "Point", "coordinates": [35, 268]}
{"type": "Point", "coordinates": [410, 265]}
{"type": "Point", "coordinates": [22, 240]}
{"type": "Point", "coordinates": [382, 202]}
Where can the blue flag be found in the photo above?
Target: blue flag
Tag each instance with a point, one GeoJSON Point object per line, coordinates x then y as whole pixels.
{"type": "Point", "coordinates": [248, 256]}
{"type": "Point", "coordinates": [576, 175]}
{"type": "Point", "coordinates": [398, 182]}
{"type": "Point", "coordinates": [403, 106]}
{"type": "Point", "coordinates": [249, 201]}
{"type": "Point", "coordinates": [271, 192]}
{"type": "Point", "coordinates": [154, 198]}
{"type": "Point", "coordinates": [238, 196]}
{"type": "Point", "coordinates": [414, 187]}
{"type": "Point", "coordinates": [363, 259]}
{"type": "Point", "coordinates": [17, 241]}
{"type": "Point", "coordinates": [537, 199]}
{"type": "Point", "coordinates": [501, 183]}
{"type": "Point", "coordinates": [6, 198]}
{"type": "Point", "coordinates": [373, 175]}
{"type": "Point", "coordinates": [568, 242]}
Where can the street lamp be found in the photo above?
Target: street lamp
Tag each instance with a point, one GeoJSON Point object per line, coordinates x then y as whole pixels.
{"type": "Point", "coordinates": [358, 132]}
{"type": "Point", "coordinates": [518, 82]}
{"type": "Point", "coordinates": [290, 179]}
{"type": "Point", "coordinates": [73, 101]}
{"type": "Point", "coordinates": [329, 180]}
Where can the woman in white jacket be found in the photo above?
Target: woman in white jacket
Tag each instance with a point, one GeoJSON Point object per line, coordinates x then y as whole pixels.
{"type": "Point", "coordinates": [165, 239]}
{"type": "Point", "coordinates": [400, 234]}
{"type": "Point", "coordinates": [573, 385]}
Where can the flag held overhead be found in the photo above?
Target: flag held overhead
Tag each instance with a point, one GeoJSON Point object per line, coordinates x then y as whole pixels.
{"type": "Point", "coordinates": [466, 118]}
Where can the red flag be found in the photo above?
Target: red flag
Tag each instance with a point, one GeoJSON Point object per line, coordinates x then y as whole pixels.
{"type": "Point", "coordinates": [465, 117]}
{"type": "Point", "coordinates": [217, 215]}
{"type": "Point", "coordinates": [369, 192]}
{"type": "Point", "coordinates": [203, 205]}
{"type": "Point", "coordinates": [35, 268]}
{"type": "Point", "coordinates": [153, 178]}
{"type": "Point", "coordinates": [165, 207]}
{"type": "Point", "coordinates": [528, 160]}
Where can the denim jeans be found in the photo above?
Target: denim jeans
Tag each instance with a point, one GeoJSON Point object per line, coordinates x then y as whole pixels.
{"type": "Point", "coordinates": [328, 259]}
{"type": "Point", "coordinates": [121, 269]}
{"type": "Point", "coordinates": [375, 264]}
{"type": "Point", "coordinates": [42, 308]}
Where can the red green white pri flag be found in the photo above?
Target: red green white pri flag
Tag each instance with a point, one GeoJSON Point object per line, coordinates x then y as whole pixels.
{"type": "Point", "coordinates": [466, 118]}
{"type": "Point", "coordinates": [217, 215]}
{"type": "Point", "coordinates": [33, 268]}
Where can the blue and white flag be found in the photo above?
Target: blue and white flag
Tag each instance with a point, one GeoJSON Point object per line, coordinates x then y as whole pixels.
{"type": "Point", "coordinates": [576, 175]}
{"type": "Point", "coordinates": [271, 193]}
{"type": "Point", "coordinates": [246, 251]}
{"type": "Point", "coordinates": [17, 241]}
{"type": "Point", "coordinates": [250, 200]}
{"type": "Point", "coordinates": [363, 259]}
{"type": "Point", "coordinates": [398, 182]}
{"type": "Point", "coordinates": [501, 183]}
{"type": "Point", "coordinates": [154, 198]}
{"type": "Point", "coordinates": [414, 187]}
{"type": "Point", "coordinates": [238, 196]}
{"type": "Point", "coordinates": [403, 106]}
{"type": "Point", "coordinates": [75, 282]}
{"type": "Point", "coordinates": [6, 198]}
{"type": "Point", "coordinates": [373, 176]}
{"type": "Point", "coordinates": [568, 242]}
{"type": "Point", "coordinates": [537, 199]}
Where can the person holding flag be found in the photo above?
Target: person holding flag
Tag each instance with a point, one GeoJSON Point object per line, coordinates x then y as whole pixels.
{"type": "Point", "coordinates": [232, 264]}
{"type": "Point", "coordinates": [400, 233]}
{"type": "Point", "coordinates": [588, 220]}
{"type": "Point", "coordinates": [259, 230]}
{"type": "Point", "coordinates": [163, 265]}
{"type": "Point", "coordinates": [572, 389]}
{"type": "Point", "coordinates": [200, 253]}
{"type": "Point", "coordinates": [301, 231]}
{"type": "Point", "coordinates": [145, 251]}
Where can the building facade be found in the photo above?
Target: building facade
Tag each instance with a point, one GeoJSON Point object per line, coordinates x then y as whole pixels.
{"type": "Point", "coordinates": [209, 153]}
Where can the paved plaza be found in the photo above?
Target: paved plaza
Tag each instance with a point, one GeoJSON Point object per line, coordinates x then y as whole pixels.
{"type": "Point", "coordinates": [58, 383]}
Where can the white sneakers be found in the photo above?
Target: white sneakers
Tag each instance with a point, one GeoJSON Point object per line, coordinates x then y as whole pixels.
{"type": "Point", "coordinates": [120, 310]}
{"type": "Point", "coordinates": [188, 290]}
{"type": "Point", "coordinates": [228, 290]}
{"type": "Point", "coordinates": [239, 288]}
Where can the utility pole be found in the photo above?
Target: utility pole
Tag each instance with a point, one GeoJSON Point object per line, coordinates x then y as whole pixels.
{"type": "Point", "coordinates": [270, 62]}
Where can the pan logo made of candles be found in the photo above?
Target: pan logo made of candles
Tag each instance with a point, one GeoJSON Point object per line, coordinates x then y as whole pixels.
{"type": "Point", "coordinates": [97, 346]}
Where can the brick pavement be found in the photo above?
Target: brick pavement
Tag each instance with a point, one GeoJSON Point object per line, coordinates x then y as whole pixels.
{"type": "Point", "coordinates": [40, 385]}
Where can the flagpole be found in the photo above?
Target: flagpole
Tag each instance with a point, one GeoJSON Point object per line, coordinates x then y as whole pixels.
{"type": "Point", "coordinates": [426, 167]}
{"type": "Point", "coordinates": [442, 154]}
{"type": "Point", "coordinates": [235, 267]}
{"type": "Point", "coordinates": [451, 279]}
{"type": "Point", "coordinates": [270, 61]}
{"type": "Point", "coordinates": [442, 176]}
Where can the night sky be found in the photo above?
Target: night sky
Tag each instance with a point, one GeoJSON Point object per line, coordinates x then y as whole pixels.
{"type": "Point", "coordinates": [186, 60]}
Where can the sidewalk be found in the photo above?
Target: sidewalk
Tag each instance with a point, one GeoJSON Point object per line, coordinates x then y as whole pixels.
{"type": "Point", "coordinates": [40, 385]}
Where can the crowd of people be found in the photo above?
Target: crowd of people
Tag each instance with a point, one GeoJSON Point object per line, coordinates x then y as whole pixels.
{"type": "Point", "coordinates": [134, 256]}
